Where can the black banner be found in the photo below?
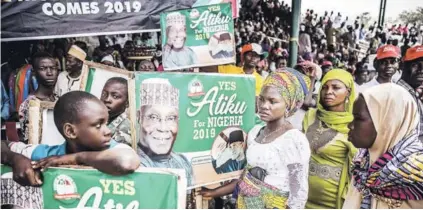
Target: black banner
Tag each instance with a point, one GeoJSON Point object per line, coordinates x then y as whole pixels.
{"type": "Point", "coordinates": [43, 19]}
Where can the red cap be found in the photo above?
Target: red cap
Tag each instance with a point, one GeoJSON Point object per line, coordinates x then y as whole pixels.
{"type": "Point", "coordinates": [414, 53]}
{"type": "Point", "coordinates": [326, 63]}
{"type": "Point", "coordinates": [388, 51]}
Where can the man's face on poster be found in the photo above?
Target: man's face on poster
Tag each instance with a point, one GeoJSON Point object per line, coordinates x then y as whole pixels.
{"type": "Point", "coordinates": [237, 150]}
{"type": "Point", "coordinates": [159, 128]}
{"type": "Point", "coordinates": [177, 35]}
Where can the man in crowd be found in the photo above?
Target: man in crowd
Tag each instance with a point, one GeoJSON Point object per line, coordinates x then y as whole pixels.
{"type": "Point", "coordinates": [115, 97]}
{"type": "Point", "coordinates": [146, 65]}
{"type": "Point", "coordinates": [412, 78]}
{"type": "Point", "coordinates": [45, 69]}
{"type": "Point", "coordinates": [158, 120]}
{"type": "Point", "coordinates": [70, 80]}
{"type": "Point", "coordinates": [251, 56]}
{"type": "Point", "coordinates": [386, 64]}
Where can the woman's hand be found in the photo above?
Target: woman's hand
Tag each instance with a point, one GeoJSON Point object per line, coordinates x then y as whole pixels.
{"type": "Point", "coordinates": [205, 192]}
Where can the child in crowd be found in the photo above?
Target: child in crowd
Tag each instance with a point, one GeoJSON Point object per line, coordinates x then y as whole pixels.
{"type": "Point", "coordinates": [115, 97]}
{"type": "Point", "coordinates": [82, 120]}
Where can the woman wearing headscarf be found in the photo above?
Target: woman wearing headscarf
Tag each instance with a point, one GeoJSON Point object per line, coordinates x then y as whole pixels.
{"type": "Point", "coordinates": [276, 178]}
{"type": "Point", "coordinates": [387, 171]}
{"type": "Point", "coordinates": [326, 128]}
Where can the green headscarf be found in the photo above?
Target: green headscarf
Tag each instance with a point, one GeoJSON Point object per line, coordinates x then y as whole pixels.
{"type": "Point", "coordinates": [338, 120]}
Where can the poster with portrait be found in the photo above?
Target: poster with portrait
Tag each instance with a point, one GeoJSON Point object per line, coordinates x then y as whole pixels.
{"type": "Point", "coordinates": [200, 36]}
{"type": "Point", "coordinates": [41, 126]}
{"type": "Point", "coordinates": [79, 187]}
{"type": "Point", "coordinates": [196, 122]}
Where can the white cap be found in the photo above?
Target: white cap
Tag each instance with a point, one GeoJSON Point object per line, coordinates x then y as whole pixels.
{"type": "Point", "coordinates": [175, 18]}
{"type": "Point", "coordinates": [159, 91]}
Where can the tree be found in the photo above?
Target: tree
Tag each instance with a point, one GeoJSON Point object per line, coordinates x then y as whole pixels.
{"type": "Point", "coordinates": [411, 17]}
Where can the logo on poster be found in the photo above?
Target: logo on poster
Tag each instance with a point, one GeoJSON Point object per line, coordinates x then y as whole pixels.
{"type": "Point", "coordinates": [195, 88]}
{"type": "Point", "coordinates": [194, 14]}
{"type": "Point", "coordinates": [65, 188]}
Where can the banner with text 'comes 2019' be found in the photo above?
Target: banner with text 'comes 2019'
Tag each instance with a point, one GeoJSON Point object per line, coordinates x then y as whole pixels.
{"type": "Point", "coordinates": [41, 19]}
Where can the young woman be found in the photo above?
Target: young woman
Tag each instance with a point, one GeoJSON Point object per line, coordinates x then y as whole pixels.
{"type": "Point", "coordinates": [276, 178]}
{"type": "Point", "coordinates": [387, 171]}
{"type": "Point", "coordinates": [331, 153]}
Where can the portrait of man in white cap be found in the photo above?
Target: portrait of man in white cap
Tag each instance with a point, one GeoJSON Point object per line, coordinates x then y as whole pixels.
{"type": "Point", "coordinates": [158, 120]}
{"type": "Point", "coordinates": [70, 80]}
{"type": "Point", "coordinates": [175, 53]}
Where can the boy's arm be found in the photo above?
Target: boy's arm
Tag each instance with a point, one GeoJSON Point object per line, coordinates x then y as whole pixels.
{"type": "Point", "coordinates": [114, 161]}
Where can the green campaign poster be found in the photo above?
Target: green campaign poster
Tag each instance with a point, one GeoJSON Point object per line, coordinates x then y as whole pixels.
{"type": "Point", "coordinates": [197, 122]}
{"type": "Point", "coordinates": [69, 188]}
{"type": "Point", "coordinates": [200, 36]}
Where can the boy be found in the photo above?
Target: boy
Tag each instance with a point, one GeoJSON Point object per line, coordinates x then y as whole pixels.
{"type": "Point", "coordinates": [82, 120]}
{"type": "Point", "coordinates": [115, 97]}
{"type": "Point", "coordinates": [45, 71]}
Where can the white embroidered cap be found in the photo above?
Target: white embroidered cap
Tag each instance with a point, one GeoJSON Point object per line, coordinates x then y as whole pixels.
{"type": "Point", "coordinates": [159, 91]}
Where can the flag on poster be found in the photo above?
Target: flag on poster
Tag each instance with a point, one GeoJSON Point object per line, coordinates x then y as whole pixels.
{"type": "Point", "coordinates": [200, 36]}
{"type": "Point", "coordinates": [195, 122]}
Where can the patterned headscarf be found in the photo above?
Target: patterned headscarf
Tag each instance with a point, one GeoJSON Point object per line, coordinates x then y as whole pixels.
{"type": "Point", "coordinates": [292, 85]}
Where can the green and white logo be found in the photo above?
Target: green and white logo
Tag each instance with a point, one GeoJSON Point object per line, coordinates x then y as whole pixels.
{"type": "Point", "coordinates": [65, 188]}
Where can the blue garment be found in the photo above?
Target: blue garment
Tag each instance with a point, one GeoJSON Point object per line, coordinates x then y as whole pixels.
{"type": "Point", "coordinates": [42, 150]}
{"type": "Point", "coordinates": [4, 103]}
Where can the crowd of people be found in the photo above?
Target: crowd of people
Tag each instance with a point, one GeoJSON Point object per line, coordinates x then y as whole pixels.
{"type": "Point", "coordinates": [341, 129]}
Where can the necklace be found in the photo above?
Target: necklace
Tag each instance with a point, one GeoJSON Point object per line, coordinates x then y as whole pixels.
{"type": "Point", "coordinates": [264, 139]}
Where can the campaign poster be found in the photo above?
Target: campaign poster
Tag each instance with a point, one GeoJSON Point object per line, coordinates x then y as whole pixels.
{"type": "Point", "coordinates": [195, 122]}
{"type": "Point", "coordinates": [89, 188]}
{"type": "Point", "coordinates": [200, 36]}
{"type": "Point", "coordinates": [80, 188]}
{"type": "Point", "coordinates": [234, 3]}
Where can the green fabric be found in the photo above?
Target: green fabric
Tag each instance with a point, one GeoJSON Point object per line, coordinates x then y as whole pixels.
{"type": "Point", "coordinates": [339, 152]}
{"type": "Point", "coordinates": [338, 120]}
{"type": "Point", "coordinates": [89, 84]}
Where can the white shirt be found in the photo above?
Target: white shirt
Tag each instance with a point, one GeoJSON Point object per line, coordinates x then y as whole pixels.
{"type": "Point", "coordinates": [395, 78]}
{"type": "Point", "coordinates": [286, 160]}
{"type": "Point", "coordinates": [65, 83]}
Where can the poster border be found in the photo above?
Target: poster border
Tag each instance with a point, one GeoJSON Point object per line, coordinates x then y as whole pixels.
{"type": "Point", "coordinates": [35, 120]}
{"type": "Point", "coordinates": [125, 73]}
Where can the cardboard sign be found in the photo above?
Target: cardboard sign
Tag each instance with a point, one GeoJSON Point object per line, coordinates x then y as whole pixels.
{"type": "Point", "coordinates": [41, 126]}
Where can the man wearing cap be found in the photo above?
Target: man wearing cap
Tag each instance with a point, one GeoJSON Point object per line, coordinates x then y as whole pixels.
{"type": "Point", "coordinates": [175, 54]}
{"type": "Point", "coordinates": [251, 55]}
{"type": "Point", "coordinates": [224, 47]}
{"type": "Point", "coordinates": [158, 120]}
{"type": "Point", "coordinates": [231, 157]}
{"type": "Point", "coordinates": [70, 80]}
{"type": "Point", "coordinates": [412, 78]}
{"type": "Point", "coordinates": [386, 64]}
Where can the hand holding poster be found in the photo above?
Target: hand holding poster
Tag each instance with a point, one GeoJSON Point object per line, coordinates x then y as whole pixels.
{"type": "Point", "coordinates": [195, 122]}
{"type": "Point", "coordinates": [201, 36]}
